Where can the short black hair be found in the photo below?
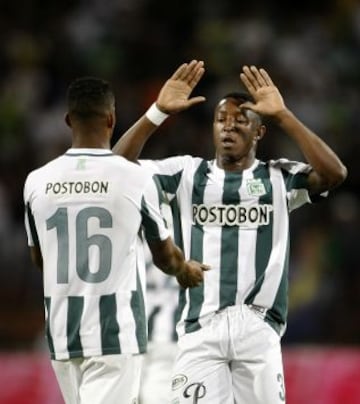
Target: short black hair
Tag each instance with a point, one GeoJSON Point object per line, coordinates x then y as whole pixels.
{"type": "Point", "coordinates": [242, 97]}
{"type": "Point", "coordinates": [88, 97]}
{"type": "Point", "coordinates": [239, 96]}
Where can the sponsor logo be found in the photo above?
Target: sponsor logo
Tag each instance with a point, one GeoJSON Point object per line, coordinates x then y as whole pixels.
{"type": "Point", "coordinates": [232, 215]}
{"type": "Point", "coordinates": [255, 187]}
{"type": "Point", "coordinates": [77, 187]}
{"type": "Point", "coordinates": [178, 381]}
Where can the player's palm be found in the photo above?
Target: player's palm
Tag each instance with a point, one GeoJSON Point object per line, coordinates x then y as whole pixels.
{"type": "Point", "coordinates": [175, 93]}
{"type": "Point", "coordinates": [268, 101]}
{"type": "Point", "coordinates": [267, 97]}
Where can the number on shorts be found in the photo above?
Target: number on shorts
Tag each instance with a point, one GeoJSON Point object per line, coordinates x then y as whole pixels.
{"type": "Point", "coordinates": [280, 379]}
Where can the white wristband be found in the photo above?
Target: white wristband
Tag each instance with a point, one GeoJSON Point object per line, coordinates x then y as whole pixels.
{"type": "Point", "coordinates": [156, 116]}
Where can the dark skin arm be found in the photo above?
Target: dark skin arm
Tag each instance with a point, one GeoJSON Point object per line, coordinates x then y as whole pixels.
{"type": "Point", "coordinates": [173, 98]}
{"type": "Point", "coordinates": [170, 259]}
{"type": "Point", "coordinates": [328, 171]}
{"type": "Point", "coordinates": [36, 257]}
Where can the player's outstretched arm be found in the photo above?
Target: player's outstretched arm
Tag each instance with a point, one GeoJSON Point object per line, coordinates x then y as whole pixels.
{"type": "Point", "coordinates": [174, 96]}
{"type": "Point", "coordinates": [328, 170]}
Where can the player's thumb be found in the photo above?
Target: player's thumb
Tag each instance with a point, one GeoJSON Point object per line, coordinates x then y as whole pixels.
{"type": "Point", "coordinates": [195, 100]}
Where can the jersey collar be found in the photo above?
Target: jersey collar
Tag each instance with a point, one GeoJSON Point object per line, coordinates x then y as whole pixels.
{"type": "Point", "coordinates": [88, 152]}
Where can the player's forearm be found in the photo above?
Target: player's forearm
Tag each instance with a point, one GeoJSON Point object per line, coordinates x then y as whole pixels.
{"type": "Point", "coordinates": [171, 262]}
{"type": "Point", "coordinates": [133, 140]}
{"type": "Point", "coordinates": [318, 154]}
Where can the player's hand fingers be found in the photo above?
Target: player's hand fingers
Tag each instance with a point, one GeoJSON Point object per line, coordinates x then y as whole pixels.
{"type": "Point", "coordinates": [195, 100]}
{"type": "Point", "coordinates": [258, 76]}
{"type": "Point", "coordinates": [179, 72]}
{"type": "Point", "coordinates": [266, 77]}
{"type": "Point", "coordinates": [188, 72]}
{"type": "Point", "coordinates": [205, 267]}
{"type": "Point", "coordinates": [195, 72]}
{"type": "Point", "coordinates": [250, 79]}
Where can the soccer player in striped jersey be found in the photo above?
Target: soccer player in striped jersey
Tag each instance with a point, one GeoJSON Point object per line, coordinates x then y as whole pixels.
{"type": "Point", "coordinates": [233, 213]}
{"type": "Point", "coordinates": [85, 212]}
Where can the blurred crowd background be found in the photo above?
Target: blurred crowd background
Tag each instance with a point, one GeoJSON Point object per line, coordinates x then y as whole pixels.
{"type": "Point", "coordinates": [311, 50]}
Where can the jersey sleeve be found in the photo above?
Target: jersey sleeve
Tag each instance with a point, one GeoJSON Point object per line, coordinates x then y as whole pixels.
{"type": "Point", "coordinates": [30, 228]}
{"type": "Point", "coordinates": [168, 172]}
{"type": "Point", "coordinates": [152, 221]}
{"type": "Point", "coordinates": [295, 176]}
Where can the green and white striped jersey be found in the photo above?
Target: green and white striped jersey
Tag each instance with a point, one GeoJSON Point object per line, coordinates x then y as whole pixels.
{"type": "Point", "coordinates": [238, 223]}
{"type": "Point", "coordinates": [85, 210]}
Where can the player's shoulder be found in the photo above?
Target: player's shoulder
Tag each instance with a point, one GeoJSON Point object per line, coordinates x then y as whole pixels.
{"type": "Point", "coordinates": [290, 166]}
{"type": "Point", "coordinates": [191, 162]}
{"type": "Point", "coordinates": [34, 174]}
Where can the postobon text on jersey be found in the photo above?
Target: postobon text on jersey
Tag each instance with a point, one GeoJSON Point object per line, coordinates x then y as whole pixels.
{"type": "Point", "coordinates": [232, 215]}
{"type": "Point", "coordinates": [77, 187]}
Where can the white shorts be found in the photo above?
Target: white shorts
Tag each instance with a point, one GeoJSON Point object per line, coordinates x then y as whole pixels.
{"type": "Point", "coordinates": [235, 358]}
{"type": "Point", "coordinates": [155, 387]}
{"type": "Point", "coordinates": [110, 379]}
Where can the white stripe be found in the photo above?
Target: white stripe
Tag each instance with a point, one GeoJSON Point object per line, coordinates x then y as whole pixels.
{"type": "Point", "coordinates": [58, 326]}
{"type": "Point", "coordinates": [90, 326]}
{"type": "Point", "coordinates": [212, 250]}
{"type": "Point", "coordinates": [247, 244]}
{"type": "Point", "coordinates": [125, 318]}
{"type": "Point", "coordinates": [274, 269]}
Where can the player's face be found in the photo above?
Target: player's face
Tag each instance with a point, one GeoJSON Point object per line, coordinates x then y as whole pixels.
{"type": "Point", "coordinates": [236, 130]}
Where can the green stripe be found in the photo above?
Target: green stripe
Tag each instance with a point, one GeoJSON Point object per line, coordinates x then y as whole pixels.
{"type": "Point", "coordinates": [264, 235]}
{"type": "Point", "coordinates": [138, 309]}
{"type": "Point", "coordinates": [47, 301]}
{"type": "Point", "coordinates": [196, 249]}
{"type": "Point", "coordinates": [109, 325]}
{"type": "Point", "coordinates": [169, 183]}
{"type": "Point", "coordinates": [75, 310]}
{"type": "Point", "coordinates": [295, 181]}
{"type": "Point", "coordinates": [151, 228]}
{"type": "Point", "coordinates": [229, 244]}
{"type": "Point", "coordinates": [32, 226]}
{"type": "Point", "coordinates": [151, 319]}
{"type": "Point", "coordinates": [175, 319]}
{"type": "Point", "coordinates": [277, 315]}
{"type": "Point", "coordinates": [177, 228]}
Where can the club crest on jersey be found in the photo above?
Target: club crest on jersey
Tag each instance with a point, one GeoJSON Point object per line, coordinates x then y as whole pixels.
{"type": "Point", "coordinates": [255, 187]}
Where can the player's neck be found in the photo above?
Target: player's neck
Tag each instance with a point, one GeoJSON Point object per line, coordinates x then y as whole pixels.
{"type": "Point", "coordinates": [231, 163]}
{"type": "Point", "coordinates": [91, 141]}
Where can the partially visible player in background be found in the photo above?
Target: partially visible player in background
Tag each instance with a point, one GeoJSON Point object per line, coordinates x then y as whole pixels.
{"type": "Point", "coordinates": [162, 309]}
{"type": "Point", "coordinates": [84, 212]}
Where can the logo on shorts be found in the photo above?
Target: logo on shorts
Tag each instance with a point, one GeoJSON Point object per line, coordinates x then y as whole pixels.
{"type": "Point", "coordinates": [178, 381]}
{"type": "Point", "coordinates": [196, 391]}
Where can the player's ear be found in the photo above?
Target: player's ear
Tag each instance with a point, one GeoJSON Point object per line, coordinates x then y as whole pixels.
{"type": "Point", "coordinates": [110, 120]}
{"type": "Point", "coordinates": [261, 132]}
{"type": "Point", "coordinates": [67, 120]}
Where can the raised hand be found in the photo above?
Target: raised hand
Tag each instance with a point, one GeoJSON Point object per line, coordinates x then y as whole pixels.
{"type": "Point", "coordinates": [175, 93]}
{"type": "Point", "coordinates": [192, 275]}
{"type": "Point", "coordinates": [267, 97]}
